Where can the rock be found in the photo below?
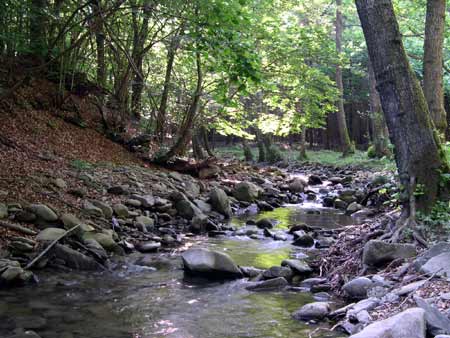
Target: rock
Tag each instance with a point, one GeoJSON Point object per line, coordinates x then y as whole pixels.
{"type": "Point", "coordinates": [357, 288]}
{"type": "Point", "coordinates": [377, 252]}
{"type": "Point", "coordinates": [133, 203]}
{"type": "Point", "coordinates": [246, 191]}
{"type": "Point", "coordinates": [43, 213]}
{"type": "Point", "coordinates": [303, 239]}
{"type": "Point", "coordinates": [20, 247]}
{"type": "Point", "coordinates": [69, 221]}
{"type": "Point", "coordinates": [407, 324]}
{"type": "Point", "coordinates": [203, 206]}
{"type": "Point", "coordinates": [437, 323]}
{"type": "Point", "coordinates": [3, 211]}
{"type": "Point", "coordinates": [187, 209]}
{"type": "Point", "coordinates": [352, 208]}
{"type": "Point", "coordinates": [314, 180]}
{"type": "Point", "coordinates": [121, 210]}
{"type": "Point", "coordinates": [407, 289]}
{"type": "Point", "coordinates": [250, 271]}
{"type": "Point", "coordinates": [104, 207]}
{"type": "Point", "coordinates": [209, 172]}
{"type": "Point", "coordinates": [438, 265]}
{"type": "Point", "coordinates": [340, 204]}
{"type": "Point", "coordinates": [147, 201]}
{"type": "Point", "coordinates": [59, 183]}
{"type": "Point", "coordinates": [50, 234]}
{"type": "Point", "coordinates": [145, 222]}
{"type": "Point", "coordinates": [363, 305]}
{"type": "Point", "coordinates": [30, 322]}
{"type": "Point", "coordinates": [26, 216]}
{"type": "Point", "coordinates": [316, 310]}
{"type": "Point", "coordinates": [220, 202]}
{"type": "Point", "coordinates": [199, 223]}
{"type": "Point", "coordinates": [277, 271]}
{"type": "Point", "coordinates": [90, 209]}
{"type": "Point", "coordinates": [265, 223]}
{"type": "Point", "coordinates": [210, 263]}
{"type": "Point", "coordinates": [297, 185]}
{"type": "Point", "coordinates": [25, 334]}
{"type": "Point", "coordinates": [146, 247]}
{"type": "Point", "coordinates": [297, 265]}
{"type": "Point", "coordinates": [310, 282]}
{"type": "Point", "coordinates": [435, 250]}
{"type": "Point", "coordinates": [74, 259]}
{"type": "Point", "coordinates": [264, 206]}
{"type": "Point", "coordinates": [118, 190]}
{"type": "Point", "coordinates": [270, 284]}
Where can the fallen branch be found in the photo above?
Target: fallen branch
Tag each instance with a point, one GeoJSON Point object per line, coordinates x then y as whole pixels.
{"type": "Point", "coordinates": [18, 228]}
{"type": "Point", "coordinates": [51, 245]}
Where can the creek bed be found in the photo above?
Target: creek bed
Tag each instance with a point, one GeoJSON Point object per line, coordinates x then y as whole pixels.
{"type": "Point", "coordinates": [134, 301]}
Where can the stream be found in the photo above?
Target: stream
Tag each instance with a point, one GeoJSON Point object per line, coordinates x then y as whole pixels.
{"type": "Point", "coordinates": [157, 300]}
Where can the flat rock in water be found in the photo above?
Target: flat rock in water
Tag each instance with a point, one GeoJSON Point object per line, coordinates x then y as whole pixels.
{"type": "Point", "coordinates": [250, 271]}
{"type": "Point", "coordinates": [407, 324]}
{"type": "Point", "coordinates": [270, 284]}
{"type": "Point", "coordinates": [316, 310]}
{"type": "Point", "coordinates": [297, 265]}
{"type": "Point", "coordinates": [377, 252]}
{"type": "Point", "coordinates": [277, 271]}
{"type": "Point", "coordinates": [146, 247]}
{"type": "Point", "coordinates": [209, 263]}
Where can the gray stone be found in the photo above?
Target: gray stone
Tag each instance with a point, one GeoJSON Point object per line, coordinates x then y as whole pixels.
{"type": "Point", "coordinates": [407, 324]}
{"type": "Point", "coordinates": [203, 206]}
{"type": "Point", "coordinates": [25, 334]}
{"type": "Point", "coordinates": [133, 203]}
{"type": "Point", "coordinates": [265, 223]}
{"type": "Point", "coordinates": [50, 234]}
{"type": "Point", "coordinates": [187, 209]}
{"type": "Point", "coordinates": [145, 222]}
{"type": "Point", "coordinates": [340, 204]}
{"type": "Point", "coordinates": [297, 265]}
{"type": "Point", "coordinates": [352, 208]}
{"type": "Point", "coordinates": [364, 305]}
{"type": "Point", "coordinates": [220, 202]}
{"type": "Point", "coordinates": [407, 289]}
{"type": "Point", "coordinates": [30, 322]}
{"type": "Point", "coordinates": [435, 250]}
{"type": "Point", "coordinates": [104, 207]}
{"type": "Point", "coordinates": [146, 247]}
{"type": "Point", "coordinates": [118, 190]}
{"type": "Point", "coordinates": [316, 310]}
{"type": "Point", "coordinates": [277, 271]}
{"type": "Point", "coordinates": [250, 271]}
{"type": "Point", "coordinates": [268, 285]}
{"type": "Point", "coordinates": [377, 252]}
{"type": "Point", "coordinates": [91, 209]}
{"type": "Point", "coordinates": [210, 263]}
{"type": "Point", "coordinates": [246, 191]}
{"type": "Point", "coordinates": [297, 185]}
{"type": "Point", "coordinates": [121, 210]}
{"type": "Point", "coordinates": [357, 288]}
{"type": "Point", "coordinates": [43, 212]}
{"type": "Point", "coordinates": [147, 201]}
{"type": "Point", "coordinates": [69, 221]}
{"type": "Point", "coordinates": [438, 265]}
{"type": "Point", "coordinates": [437, 323]}
{"type": "Point", "coordinates": [59, 183]}
{"type": "Point", "coordinates": [3, 211]}
{"type": "Point", "coordinates": [74, 259]}
{"type": "Point", "coordinates": [301, 238]}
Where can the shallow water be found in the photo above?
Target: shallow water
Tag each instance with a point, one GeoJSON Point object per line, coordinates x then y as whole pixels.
{"type": "Point", "coordinates": [134, 301]}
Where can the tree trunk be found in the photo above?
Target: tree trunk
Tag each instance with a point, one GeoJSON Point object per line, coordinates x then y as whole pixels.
{"type": "Point", "coordinates": [204, 138]}
{"type": "Point", "coordinates": [100, 43]}
{"type": "Point", "coordinates": [197, 149]}
{"type": "Point", "coordinates": [186, 127]}
{"type": "Point", "coordinates": [344, 139]}
{"type": "Point", "coordinates": [261, 149]}
{"type": "Point", "coordinates": [379, 129]}
{"type": "Point", "coordinates": [162, 111]}
{"type": "Point", "coordinates": [433, 87]}
{"type": "Point", "coordinates": [38, 24]}
{"type": "Point", "coordinates": [418, 153]}
{"type": "Point", "coordinates": [303, 155]}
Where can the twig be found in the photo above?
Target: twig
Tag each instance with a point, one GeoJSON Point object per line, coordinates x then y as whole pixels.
{"type": "Point", "coordinates": [18, 228]}
{"type": "Point", "coordinates": [52, 244]}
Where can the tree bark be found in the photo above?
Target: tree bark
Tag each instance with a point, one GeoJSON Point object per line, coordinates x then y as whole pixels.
{"type": "Point", "coordinates": [100, 43]}
{"type": "Point", "coordinates": [162, 111]}
{"type": "Point", "coordinates": [341, 124]}
{"type": "Point", "coordinates": [418, 153]}
{"type": "Point", "coordinates": [433, 63]}
{"type": "Point", "coordinates": [379, 130]}
{"type": "Point", "coordinates": [303, 155]}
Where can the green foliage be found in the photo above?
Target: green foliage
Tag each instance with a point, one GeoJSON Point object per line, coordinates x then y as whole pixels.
{"type": "Point", "coordinates": [371, 153]}
{"type": "Point", "coordinates": [436, 224]}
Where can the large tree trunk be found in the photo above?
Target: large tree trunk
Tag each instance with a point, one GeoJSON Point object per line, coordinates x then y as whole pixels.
{"type": "Point", "coordinates": [344, 139]}
{"type": "Point", "coordinates": [433, 87]}
{"type": "Point", "coordinates": [417, 148]}
{"type": "Point", "coordinates": [379, 129]}
{"type": "Point", "coordinates": [162, 111]}
{"type": "Point", "coordinates": [302, 154]}
{"type": "Point", "coordinates": [38, 24]}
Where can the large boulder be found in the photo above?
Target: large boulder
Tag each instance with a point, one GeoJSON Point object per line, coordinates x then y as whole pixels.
{"type": "Point", "coordinates": [407, 324]}
{"type": "Point", "coordinates": [187, 209]}
{"type": "Point", "coordinates": [437, 322]}
{"type": "Point", "coordinates": [43, 213]}
{"type": "Point", "coordinates": [357, 288]}
{"type": "Point", "coordinates": [377, 252]}
{"type": "Point", "coordinates": [220, 202]}
{"type": "Point", "coordinates": [316, 310]}
{"type": "Point", "coordinates": [435, 250]}
{"type": "Point", "coordinates": [246, 191]}
{"type": "Point", "coordinates": [438, 265]}
{"type": "Point", "coordinates": [297, 185]}
{"type": "Point", "coordinates": [210, 263]}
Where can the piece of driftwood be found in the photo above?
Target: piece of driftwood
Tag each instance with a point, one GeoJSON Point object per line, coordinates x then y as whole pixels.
{"type": "Point", "coordinates": [51, 245]}
{"type": "Point", "coordinates": [18, 228]}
